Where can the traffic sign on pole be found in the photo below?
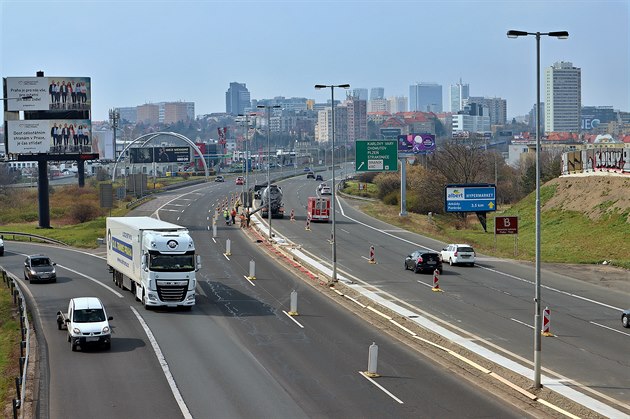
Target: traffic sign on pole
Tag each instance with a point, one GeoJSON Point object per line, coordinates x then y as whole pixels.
{"type": "Point", "coordinates": [376, 156]}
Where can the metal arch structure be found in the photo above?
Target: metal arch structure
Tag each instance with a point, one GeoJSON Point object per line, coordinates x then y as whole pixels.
{"type": "Point", "coordinates": [151, 136]}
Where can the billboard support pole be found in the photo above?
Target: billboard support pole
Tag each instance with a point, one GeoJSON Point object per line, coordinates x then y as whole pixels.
{"type": "Point", "coordinates": [42, 186]}
{"type": "Point", "coordinates": [403, 188]}
{"type": "Point", "coordinates": [81, 172]}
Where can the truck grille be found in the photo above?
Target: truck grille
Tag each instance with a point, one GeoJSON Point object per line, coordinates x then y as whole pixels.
{"type": "Point", "coordinates": [171, 293]}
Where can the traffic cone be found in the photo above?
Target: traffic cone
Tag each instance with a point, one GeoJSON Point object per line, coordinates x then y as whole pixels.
{"type": "Point", "coordinates": [292, 215]}
{"type": "Point", "coordinates": [308, 224]}
{"type": "Point", "coordinates": [372, 260]}
{"type": "Point", "coordinates": [436, 279]}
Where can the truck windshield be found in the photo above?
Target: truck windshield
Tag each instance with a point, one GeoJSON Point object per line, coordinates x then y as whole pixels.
{"type": "Point", "coordinates": [90, 315]}
{"type": "Point", "coordinates": [171, 263]}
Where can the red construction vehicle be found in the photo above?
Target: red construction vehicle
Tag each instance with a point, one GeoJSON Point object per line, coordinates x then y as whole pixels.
{"type": "Point", "coordinates": [318, 208]}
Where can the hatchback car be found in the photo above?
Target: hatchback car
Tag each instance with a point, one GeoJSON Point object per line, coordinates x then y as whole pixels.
{"type": "Point", "coordinates": [423, 261]}
{"type": "Point", "coordinates": [39, 268]}
{"type": "Point", "coordinates": [325, 190]}
{"type": "Point", "coordinates": [458, 254]}
{"type": "Point", "coordinates": [219, 179]}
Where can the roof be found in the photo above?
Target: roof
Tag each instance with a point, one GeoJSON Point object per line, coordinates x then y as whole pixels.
{"type": "Point", "coordinates": [81, 303]}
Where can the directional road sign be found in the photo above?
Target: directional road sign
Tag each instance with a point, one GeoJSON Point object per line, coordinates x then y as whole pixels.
{"type": "Point", "coordinates": [376, 156]}
{"type": "Point", "coordinates": [470, 198]}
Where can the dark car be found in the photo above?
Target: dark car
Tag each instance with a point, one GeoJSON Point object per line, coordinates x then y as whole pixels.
{"type": "Point", "coordinates": [625, 318]}
{"type": "Point", "coordinates": [319, 177]}
{"type": "Point", "coordinates": [423, 261]}
{"type": "Point", "coordinates": [39, 268]}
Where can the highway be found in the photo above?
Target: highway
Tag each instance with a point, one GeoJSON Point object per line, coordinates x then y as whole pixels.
{"type": "Point", "coordinates": [237, 353]}
{"type": "Point", "coordinates": [490, 304]}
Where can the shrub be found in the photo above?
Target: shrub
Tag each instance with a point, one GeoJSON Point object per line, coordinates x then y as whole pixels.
{"type": "Point", "coordinates": [391, 198]}
{"type": "Point", "coordinates": [387, 183]}
{"type": "Point", "coordinates": [84, 211]}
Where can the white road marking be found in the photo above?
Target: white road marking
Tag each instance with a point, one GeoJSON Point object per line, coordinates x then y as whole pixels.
{"type": "Point", "coordinates": [226, 256]}
{"type": "Point", "coordinates": [610, 328]}
{"type": "Point", "coordinates": [167, 372]}
{"type": "Point", "coordinates": [249, 280]}
{"type": "Point", "coordinates": [93, 280]}
{"type": "Point", "coordinates": [426, 285]}
{"type": "Point", "coordinates": [523, 323]}
{"type": "Point", "coordinates": [291, 317]}
{"type": "Point", "coordinates": [382, 388]}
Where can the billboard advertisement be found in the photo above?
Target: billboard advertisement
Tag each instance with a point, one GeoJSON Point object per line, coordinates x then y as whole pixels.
{"type": "Point", "coordinates": [416, 144]}
{"type": "Point", "coordinates": [470, 198]}
{"type": "Point", "coordinates": [160, 155]}
{"type": "Point", "coordinates": [56, 136]}
{"type": "Point", "coordinates": [103, 144]}
{"type": "Point", "coordinates": [48, 93]}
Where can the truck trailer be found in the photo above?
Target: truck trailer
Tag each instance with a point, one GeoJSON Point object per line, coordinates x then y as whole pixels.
{"type": "Point", "coordinates": [153, 259]}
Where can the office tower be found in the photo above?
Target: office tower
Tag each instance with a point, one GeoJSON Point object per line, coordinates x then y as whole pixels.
{"type": "Point", "coordinates": [459, 93]}
{"type": "Point", "coordinates": [377, 93]}
{"type": "Point", "coordinates": [378, 105]}
{"type": "Point", "coordinates": [563, 97]}
{"type": "Point", "coordinates": [237, 99]}
{"type": "Point", "coordinates": [425, 97]}
{"type": "Point", "coordinates": [149, 113]}
{"type": "Point", "coordinates": [497, 108]}
{"type": "Point", "coordinates": [360, 93]}
{"type": "Point", "coordinates": [397, 104]}
{"type": "Point", "coordinates": [357, 119]}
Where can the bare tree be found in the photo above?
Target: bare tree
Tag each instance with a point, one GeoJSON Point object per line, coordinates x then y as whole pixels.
{"type": "Point", "coordinates": [460, 162]}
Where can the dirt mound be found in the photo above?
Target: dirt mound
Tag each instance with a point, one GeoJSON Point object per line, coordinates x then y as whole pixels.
{"type": "Point", "coordinates": [593, 195]}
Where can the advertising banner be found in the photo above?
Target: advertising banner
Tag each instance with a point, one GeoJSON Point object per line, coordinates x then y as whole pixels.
{"type": "Point", "coordinates": [416, 144]}
{"type": "Point", "coordinates": [103, 144]}
{"type": "Point", "coordinates": [470, 198]}
{"type": "Point", "coordinates": [59, 136]}
{"type": "Point", "coordinates": [48, 93]}
{"type": "Point", "coordinates": [160, 155]}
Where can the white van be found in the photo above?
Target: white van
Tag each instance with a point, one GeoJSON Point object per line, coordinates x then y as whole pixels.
{"type": "Point", "coordinates": [87, 323]}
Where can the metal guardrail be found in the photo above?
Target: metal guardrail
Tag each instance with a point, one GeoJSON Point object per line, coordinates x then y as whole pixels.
{"type": "Point", "coordinates": [31, 237]}
{"type": "Point", "coordinates": [18, 298]}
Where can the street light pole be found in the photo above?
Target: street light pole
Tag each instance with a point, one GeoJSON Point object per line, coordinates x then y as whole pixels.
{"type": "Point", "coordinates": [537, 298]}
{"type": "Point", "coordinates": [268, 110]}
{"type": "Point", "coordinates": [334, 200]}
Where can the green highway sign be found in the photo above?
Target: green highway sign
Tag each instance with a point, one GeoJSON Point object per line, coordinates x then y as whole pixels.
{"type": "Point", "coordinates": [376, 156]}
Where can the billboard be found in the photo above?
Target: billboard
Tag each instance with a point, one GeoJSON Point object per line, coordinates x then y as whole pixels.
{"type": "Point", "coordinates": [416, 144]}
{"type": "Point", "coordinates": [160, 155]}
{"type": "Point", "coordinates": [49, 93]}
{"type": "Point", "coordinates": [470, 198]}
{"type": "Point", "coordinates": [103, 144]}
{"type": "Point", "coordinates": [56, 136]}
{"type": "Point", "coordinates": [390, 133]}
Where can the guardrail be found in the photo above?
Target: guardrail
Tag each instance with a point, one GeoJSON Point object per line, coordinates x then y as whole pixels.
{"type": "Point", "coordinates": [18, 298]}
{"type": "Point", "coordinates": [31, 237]}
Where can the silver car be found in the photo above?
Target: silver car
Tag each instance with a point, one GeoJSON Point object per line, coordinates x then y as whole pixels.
{"type": "Point", "coordinates": [39, 268]}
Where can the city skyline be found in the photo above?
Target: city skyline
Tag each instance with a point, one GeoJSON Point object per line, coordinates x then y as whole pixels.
{"type": "Point", "coordinates": [284, 49]}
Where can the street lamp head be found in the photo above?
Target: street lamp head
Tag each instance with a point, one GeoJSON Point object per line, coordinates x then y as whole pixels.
{"type": "Point", "coordinates": [515, 34]}
{"type": "Point", "coordinates": [320, 86]}
{"type": "Point", "coordinates": [344, 86]}
{"type": "Point", "coordinates": [559, 34]}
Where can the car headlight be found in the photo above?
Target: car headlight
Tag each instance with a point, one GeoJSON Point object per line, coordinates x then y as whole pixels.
{"type": "Point", "coordinates": [76, 331]}
{"type": "Point", "coordinates": [105, 329]}
{"type": "Point", "coordinates": [33, 272]}
{"type": "Point", "coordinates": [53, 271]}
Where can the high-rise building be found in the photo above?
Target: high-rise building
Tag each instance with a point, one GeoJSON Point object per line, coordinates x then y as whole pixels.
{"type": "Point", "coordinates": [497, 108]}
{"type": "Point", "coordinates": [377, 93]}
{"type": "Point", "coordinates": [149, 113]}
{"type": "Point", "coordinates": [178, 111]}
{"type": "Point", "coordinates": [563, 97]}
{"type": "Point", "coordinates": [459, 93]}
{"type": "Point", "coordinates": [425, 97]}
{"type": "Point", "coordinates": [398, 104]}
{"type": "Point", "coordinates": [378, 105]}
{"type": "Point", "coordinates": [237, 98]}
{"type": "Point", "coordinates": [360, 93]}
{"type": "Point", "coordinates": [357, 119]}
{"type": "Point", "coordinates": [128, 114]}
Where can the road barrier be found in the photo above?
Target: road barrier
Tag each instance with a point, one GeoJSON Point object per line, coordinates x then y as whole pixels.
{"type": "Point", "coordinates": [371, 259]}
{"type": "Point", "coordinates": [252, 270]}
{"type": "Point", "coordinates": [308, 224]}
{"type": "Point", "coordinates": [546, 322]}
{"type": "Point", "coordinates": [228, 248]}
{"type": "Point", "coordinates": [372, 361]}
{"type": "Point", "coordinates": [292, 215]}
{"type": "Point", "coordinates": [293, 311]}
{"type": "Point", "coordinates": [436, 281]}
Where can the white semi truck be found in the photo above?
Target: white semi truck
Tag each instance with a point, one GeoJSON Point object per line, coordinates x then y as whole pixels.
{"type": "Point", "coordinates": [153, 259]}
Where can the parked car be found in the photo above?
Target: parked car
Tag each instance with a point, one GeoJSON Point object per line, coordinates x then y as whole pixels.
{"type": "Point", "coordinates": [219, 179]}
{"type": "Point", "coordinates": [39, 268]}
{"type": "Point", "coordinates": [240, 180]}
{"type": "Point", "coordinates": [319, 178]}
{"type": "Point", "coordinates": [325, 190]}
{"type": "Point", "coordinates": [423, 261]}
{"type": "Point", "coordinates": [625, 318]}
{"type": "Point", "coordinates": [458, 254]}
{"type": "Point", "coordinates": [310, 175]}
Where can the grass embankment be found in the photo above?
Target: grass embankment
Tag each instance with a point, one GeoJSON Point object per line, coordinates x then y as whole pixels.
{"type": "Point", "coordinates": [9, 349]}
{"type": "Point", "coordinates": [567, 236]}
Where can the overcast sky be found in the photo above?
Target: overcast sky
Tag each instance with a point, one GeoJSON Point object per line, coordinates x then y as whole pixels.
{"type": "Point", "coordinates": [146, 51]}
